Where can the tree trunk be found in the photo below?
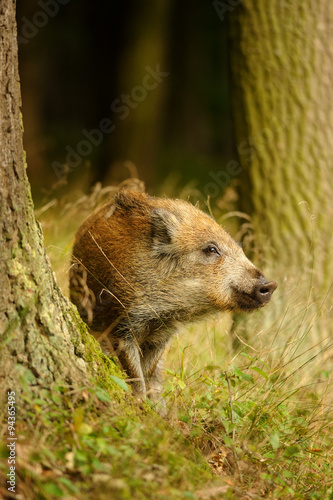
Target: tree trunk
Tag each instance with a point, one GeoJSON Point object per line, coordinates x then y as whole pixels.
{"type": "Point", "coordinates": [282, 72]}
{"type": "Point", "coordinates": [37, 324]}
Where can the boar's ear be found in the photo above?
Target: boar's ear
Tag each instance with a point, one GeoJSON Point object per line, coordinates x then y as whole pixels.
{"type": "Point", "coordinates": [130, 201]}
{"type": "Point", "coordinates": [165, 226]}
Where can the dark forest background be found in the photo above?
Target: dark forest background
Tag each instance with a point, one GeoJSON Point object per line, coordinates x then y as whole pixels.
{"type": "Point", "coordinates": [78, 57]}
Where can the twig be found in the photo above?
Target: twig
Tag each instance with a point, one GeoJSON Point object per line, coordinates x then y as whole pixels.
{"type": "Point", "coordinates": [233, 427]}
{"type": "Point", "coordinates": [231, 407]}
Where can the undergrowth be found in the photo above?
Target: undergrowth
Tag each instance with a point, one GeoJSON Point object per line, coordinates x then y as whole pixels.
{"type": "Point", "coordinates": [79, 443]}
{"type": "Point", "coordinates": [273, 440]}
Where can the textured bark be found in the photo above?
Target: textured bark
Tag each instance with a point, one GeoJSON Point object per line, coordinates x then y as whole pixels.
{"type": "Point", "coordinates": [37, 324]}
{"type": "Point", "coordinates": [282, 68]}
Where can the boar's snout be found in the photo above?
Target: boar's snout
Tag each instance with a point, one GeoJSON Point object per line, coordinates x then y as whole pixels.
{"type": "Point", "coordinates": [263, 290]}
{"type": "Point", "coordinates": [259, 294]}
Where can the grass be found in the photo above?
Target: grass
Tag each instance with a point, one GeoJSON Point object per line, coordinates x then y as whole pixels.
{"type": "Point", "coordinates": [258, 422]}
{"type": "Point", "coordinates": [248, 416]}
{"type": "Point", "coordinates": [80, 443]}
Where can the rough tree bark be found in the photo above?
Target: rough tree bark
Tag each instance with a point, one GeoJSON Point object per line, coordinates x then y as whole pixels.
{"type": "Point", "coordinates": [282, 69]}
{"type": "Point", "coordinates": [37, 324]}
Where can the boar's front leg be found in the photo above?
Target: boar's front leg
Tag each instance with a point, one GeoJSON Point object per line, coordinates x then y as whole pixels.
{"type": "Point", "coordinates": [152, 366]}
{"type": "Point", "coordinates": [130, 360]}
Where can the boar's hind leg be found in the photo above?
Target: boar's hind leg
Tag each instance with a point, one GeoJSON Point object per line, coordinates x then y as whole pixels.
{"type": "Point", "coordinates": [130, 359]}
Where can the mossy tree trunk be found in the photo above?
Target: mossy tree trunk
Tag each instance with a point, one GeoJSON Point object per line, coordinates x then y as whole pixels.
{"type": "Point", "coordinates": [282, 78]}
{"type": "Point", "coordinates": [37, 324]}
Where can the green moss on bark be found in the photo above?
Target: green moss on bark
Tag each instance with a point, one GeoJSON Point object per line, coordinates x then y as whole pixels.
{"type": "Point", "coordinates": [100, 366]}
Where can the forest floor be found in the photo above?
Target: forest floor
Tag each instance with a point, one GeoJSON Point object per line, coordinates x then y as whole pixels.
{"type": "Point", "coordinates": [248, 417]}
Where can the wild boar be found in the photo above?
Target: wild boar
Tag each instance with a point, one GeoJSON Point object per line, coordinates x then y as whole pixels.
{"type": "Point", "coordinates": [142, 265]}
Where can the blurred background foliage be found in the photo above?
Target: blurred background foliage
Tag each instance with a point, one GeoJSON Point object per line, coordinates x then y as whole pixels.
{"type": "Point", "coordinates": [76, 62]}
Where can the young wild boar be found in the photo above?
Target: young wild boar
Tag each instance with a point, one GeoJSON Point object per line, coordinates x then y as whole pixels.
{"type": "Point", "coordinates": [142, 265]}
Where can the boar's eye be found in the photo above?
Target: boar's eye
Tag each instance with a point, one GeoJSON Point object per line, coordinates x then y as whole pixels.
{"type": "Point", "coordinates": [211, 249]}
